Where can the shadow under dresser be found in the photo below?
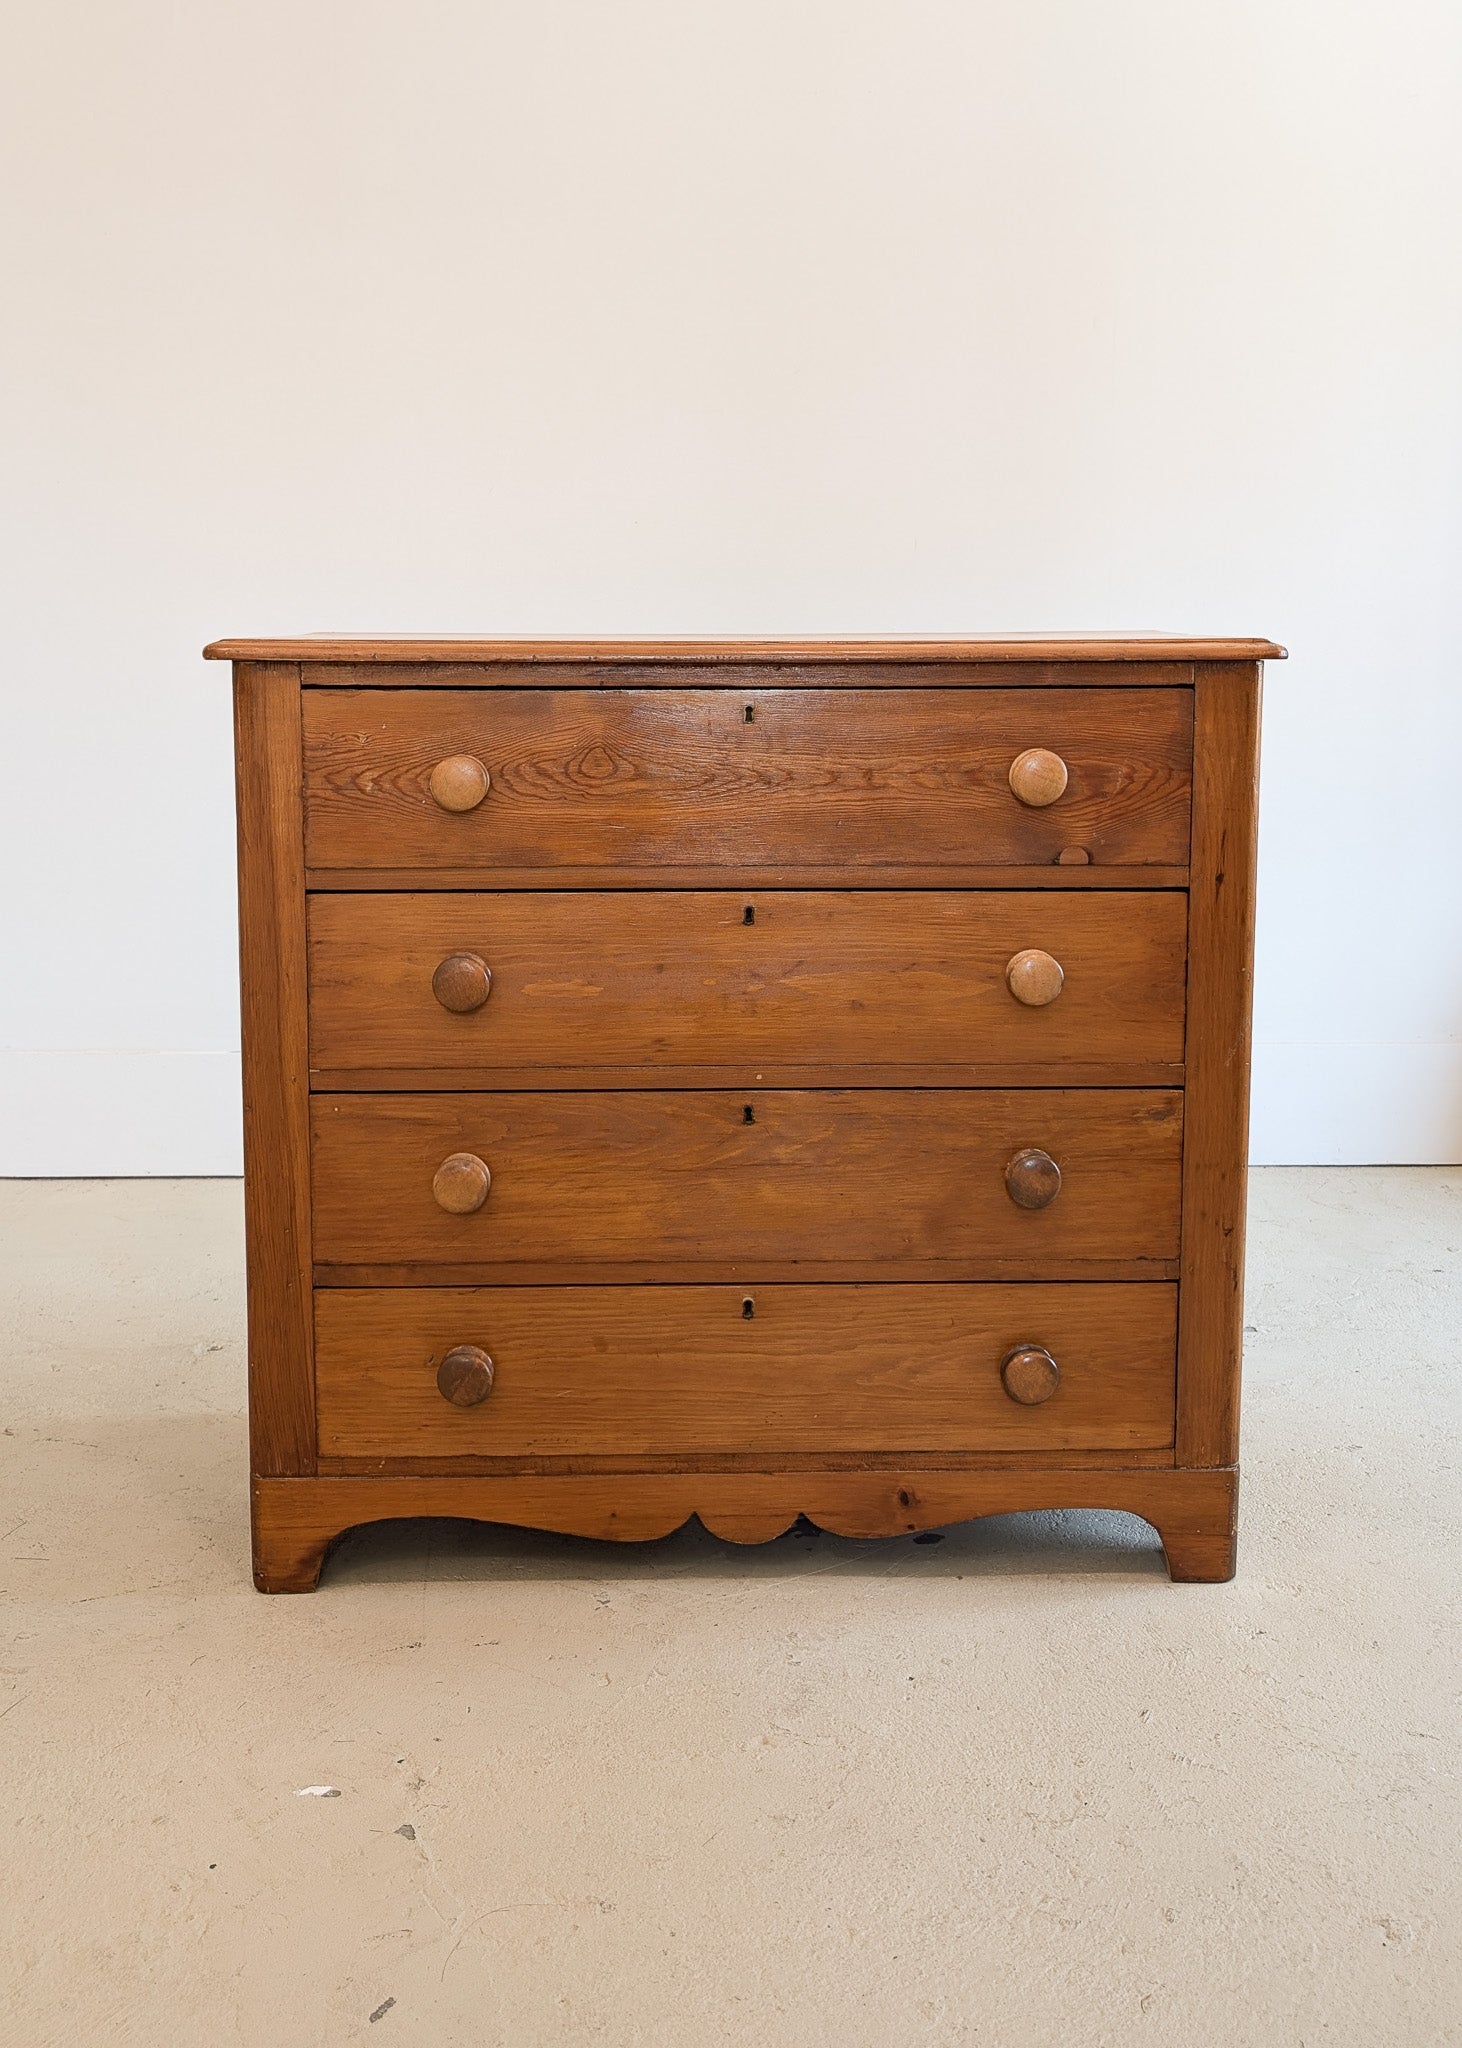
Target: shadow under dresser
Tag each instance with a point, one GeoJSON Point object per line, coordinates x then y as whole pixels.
{"type": "Point", "coordinates": [744, 1079]}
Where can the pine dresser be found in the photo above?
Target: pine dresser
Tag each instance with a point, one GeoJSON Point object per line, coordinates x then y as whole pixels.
{"type": "Point", "coordinates": [744, 1079]}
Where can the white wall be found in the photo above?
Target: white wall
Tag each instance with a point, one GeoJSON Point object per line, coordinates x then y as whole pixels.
{"type": "Point", "coordinates": [723, 315]}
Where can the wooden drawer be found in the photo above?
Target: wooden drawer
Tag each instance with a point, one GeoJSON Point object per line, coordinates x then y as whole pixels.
{"type": "Point", "coordinates": [665, 1371]}
{"type": "Point", "coordinates": [612, 785]}
{"type": "Point", "coordinates": [702, 981]}
{"type": "Point", "coordinates": [829, 1184]}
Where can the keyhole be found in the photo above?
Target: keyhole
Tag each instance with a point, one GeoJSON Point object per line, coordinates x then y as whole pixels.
{"type": "Point", "coordinates": [751, 714]}
{"type": "Point", "coordinates": [748, 1309]}
{"type": "Point", "coordinates": [748, 916]}
{"type": "Point", "coordinates": [748, 1114]}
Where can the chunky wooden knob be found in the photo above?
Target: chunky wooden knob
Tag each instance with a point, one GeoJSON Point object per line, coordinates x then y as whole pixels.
{"type": "Point", "coordinates": [1033, 977]}
{"type": "Point", "coordinates": [463, 982]}
{"type": "Point", "coordinates": [459, 783]}
{"type": "Point", "coordinates": [460, 1183]}
{"type": "Point", "coordinates": [1030, 1374]}
{"type": "Point", "coordinates": [1038, 777]}
{"type": "Point", "coordinates": [465, 1375]}
{"type": "Point", "coordinates": [1032, 1179]}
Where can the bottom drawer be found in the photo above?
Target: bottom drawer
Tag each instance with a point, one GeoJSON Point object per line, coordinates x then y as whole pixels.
{"type": "Point", "coordinates": [693, 1370]}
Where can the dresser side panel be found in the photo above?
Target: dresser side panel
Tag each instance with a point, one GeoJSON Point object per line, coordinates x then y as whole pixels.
{"type": "Point", "coordinates": [268, 758]}
{"type": "Point", "coordinates": [1216, 1110]}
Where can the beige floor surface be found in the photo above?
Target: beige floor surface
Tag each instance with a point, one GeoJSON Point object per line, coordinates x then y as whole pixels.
{"type": "Point", "coordinates": [1007, 1788]}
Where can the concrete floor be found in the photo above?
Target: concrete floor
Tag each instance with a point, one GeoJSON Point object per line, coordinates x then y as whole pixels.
{"type": "Point", "coordinates": [1006, 1788]}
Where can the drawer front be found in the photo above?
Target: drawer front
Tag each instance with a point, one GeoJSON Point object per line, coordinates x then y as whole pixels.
{"type": "Point", "coordinates": [669, 980]}
{"type": "Point", "coordinates": [644, 1371]}
{"type": "Point", "coordinates": [877, 1183]}
{"type": "Point", "coordinates": [614, 781]}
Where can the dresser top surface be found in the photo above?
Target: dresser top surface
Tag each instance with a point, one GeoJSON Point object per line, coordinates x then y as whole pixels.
{"type": "Point", "coordinates": [992, 647]}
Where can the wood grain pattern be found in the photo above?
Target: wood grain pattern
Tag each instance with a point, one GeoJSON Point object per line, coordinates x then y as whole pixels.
{"type": "Point", "coordinates": [417, 647]}
{"type": "Point", "coordinates": [684, 1370]}
{"type": "Point", "coordinates": [731, 1461]}
{"type": "Point", "coordinates": [835, 674]}
{"type": "Point", "coordinates": [871, 873]}
{"type": "Point", "coordinates": [743, 780]}
{"type": "Point", "coordinates": [668, 980]}
{"type": "Point", "coordinates": [894, 1183]}
{"type": "Point", "coordinates": [275, 1067]}
{"type": "Point", "coordinates": [1216, 1145]}
{"type": "Point", "coordinates": [656, 1272]}
{"type": "Point", "coordinates": [296, 1520]}
{"type": "Point", "coordinates": [744, 1075]}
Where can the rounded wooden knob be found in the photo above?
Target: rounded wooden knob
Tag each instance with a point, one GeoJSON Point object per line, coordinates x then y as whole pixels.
{"type": "Point", "coordinates": [459, 783]}
{"type": "Point", "coordinates": [1038, 777]}
{"type": "Point", "coordinates": [1032, 1179]}
{"type": "Point", "coordinates": [463, 982]}
{"type": "Point", "coordinates": [1030, 1374]}
{"type": "Point", "coordinates": [1033, 977]}
{"type": "Point", "coordinates": [460, 1183]}
{"type": "Point", "coordinates": [465, 1375]}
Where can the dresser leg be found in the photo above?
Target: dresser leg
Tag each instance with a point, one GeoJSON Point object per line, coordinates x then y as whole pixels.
{"type": "Point", "coordinates": [297, 1573]}
{"type": "Point", "coordinates": [288, 1550]}
{"type": "Point", "coordinates": [278, 1569]}
{"type": "Point", "coordinates": [1201, 1546]}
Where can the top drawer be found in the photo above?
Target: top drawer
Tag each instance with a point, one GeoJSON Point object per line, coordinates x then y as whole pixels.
{"type": "Point", "coordinates": [616, 785]}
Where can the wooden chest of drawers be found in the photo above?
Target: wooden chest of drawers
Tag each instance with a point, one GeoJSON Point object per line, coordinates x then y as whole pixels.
{"type": "Point", "coordinates": [744, 1079]}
